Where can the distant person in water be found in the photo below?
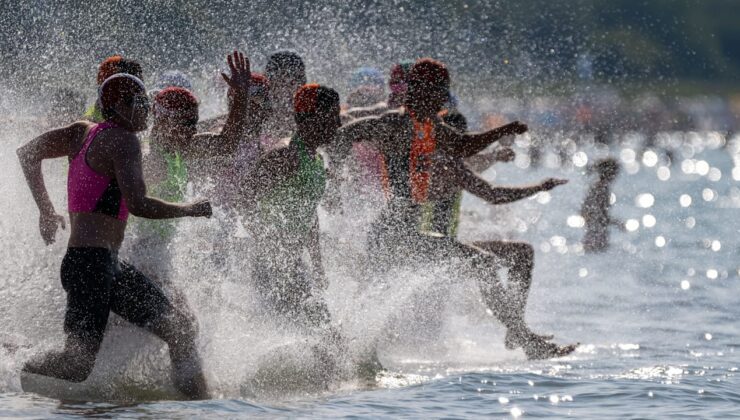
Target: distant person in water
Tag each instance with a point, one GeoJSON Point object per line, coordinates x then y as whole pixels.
{"type": "Point", "coordinates": [595, 208]}
{"type": "Point", "coordinates": [425, 159]}
{"type": "Point", "coordinates": [112, 65]}
{"type": "Point", "coordinates": [105, 182]}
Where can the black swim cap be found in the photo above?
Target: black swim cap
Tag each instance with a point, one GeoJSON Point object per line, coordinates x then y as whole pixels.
{"type": "Point", "coordinates": [286, 63]}
{"type": "Point", "coordinates": [119, 87]}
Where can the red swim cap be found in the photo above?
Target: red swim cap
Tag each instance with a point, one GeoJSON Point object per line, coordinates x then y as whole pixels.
{"type": "Point", "coordinates": [108, 68]}
{"type": "Point", "coordinates": [313, 96]}
{"type": "Point", "coordinates": [176, 102]}
{"type": "Point", "coordinates": [429, 71]}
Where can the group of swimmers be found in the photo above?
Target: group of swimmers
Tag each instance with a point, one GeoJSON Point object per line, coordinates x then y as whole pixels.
{"type": "Point", "coordinates": [265, 158]}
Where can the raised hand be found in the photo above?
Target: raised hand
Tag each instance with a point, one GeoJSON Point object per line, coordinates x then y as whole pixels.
{"type": "Point", "coordinates": [551, 183]}
{"type": "Point", "coordinates": [240, 73]}
{"type": "Point", "coordinates": [48, 225]}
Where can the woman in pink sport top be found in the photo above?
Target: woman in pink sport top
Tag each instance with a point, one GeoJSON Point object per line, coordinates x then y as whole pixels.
{"type": "Point", "coordinates": [105, 182]}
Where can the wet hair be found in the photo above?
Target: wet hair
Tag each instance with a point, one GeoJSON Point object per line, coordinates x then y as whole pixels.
{"type": "Point", "coordinates": [286, 63]}
{"type": "Point", "coordinates": [313, 97]}
{"type": "Point", "coordinates": [177, 102]}
{"type": "Point", "coordinates": [117, 64]}
{"type": "Point", "coordinates": [429, 71]}
{"type": "Point", "coordinates": [119, 87]}
{"type": "Point", "coordinates": [456, 120]}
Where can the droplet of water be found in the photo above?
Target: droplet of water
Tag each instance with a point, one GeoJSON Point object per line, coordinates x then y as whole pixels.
{"type": "Point", "coordinates": [688, 166]}
{"type": "Point", "coordinates": [685, 285]}
{"type": "Point", "coordinates": [708, 337]}
{"type": "Point", "coordinates": [583, 272]}
{"type": "Point", "coordinates": [516, 412]}
{"type": "Point", "coordinates": [503, 400]}
{"type": "Point", "coordinates": [708, 194]}
{"type": "Point", "coordinates": [712, 274]}
{"type": "Point", "coordinates": [554, 399]}
{"type": "Point", "coordinates": [690, 222]}
{"type": "Point", "coordinates": [716, 245]}
{"type": "Point", "coordinates": [612, 198]}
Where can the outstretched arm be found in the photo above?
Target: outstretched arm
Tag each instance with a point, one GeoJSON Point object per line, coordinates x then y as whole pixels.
{"type": "Point", "coordinates": [50, 145]}
{"type": "Point", "coordinates": [483, 161]}
{"type": "Point", "coordinates": [130, 177]}
{"type": "Point", "coordinates": [468, 144]}
{"type": "Point", "coordinates": [471, 182]}
{"type": "Point", "coordinates": [369, 129]}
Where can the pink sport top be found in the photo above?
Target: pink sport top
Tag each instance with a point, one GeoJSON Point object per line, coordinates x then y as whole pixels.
{"type": "Point", "coordinates": [89, 191]}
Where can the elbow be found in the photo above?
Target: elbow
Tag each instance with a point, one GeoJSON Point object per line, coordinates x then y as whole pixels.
{"type": "Point", "coordinates": [136, 207]}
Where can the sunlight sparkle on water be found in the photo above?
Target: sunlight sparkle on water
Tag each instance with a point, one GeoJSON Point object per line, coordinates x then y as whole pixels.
{"type": "Point", "coordinates": [716, 245]}
{"type": "Point", "coordinates": [649, 158]}
{"type": "Point", "coordinates": [580, 159]}
{"type": "Point", "coordinates": [708, 194]}
{"type": "Point", "coordinates": [664, 173]}
{"type": "Point", "coordinates": [632, 225]}
{"type": "Point", "coordinates": [576, 221]}
{"type": "Point", "coordinates": [648, 220]}
{"type": "Point", "coordinates": [685, 200]}
{"type": "Point", "coordinates": [644, 200]}
{"type": "Point", "coordinates": [712, 274]}
{"type": "Point", "coordinates": [659, 241]}
{"type": "Point", "coordinates": [685, 285]}
{"type": "Point", "coordinates": [702, 167]}
{"type": "Point", "coordinates": [516, 412]}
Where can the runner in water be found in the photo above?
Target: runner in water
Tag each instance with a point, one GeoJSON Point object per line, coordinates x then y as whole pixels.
{"type": "Point", "coordinates": [174, 148]}
{"type": "Point", "coordinates": [285, 188]}
{"type": "Point", "coordinates": [112, 65]}
{"type": "Point", "coordinates": [419, 148]}
{"type": "Point", "coordinates": [595, 208]}
{"type": "Point", "coordinates": [105, 182]}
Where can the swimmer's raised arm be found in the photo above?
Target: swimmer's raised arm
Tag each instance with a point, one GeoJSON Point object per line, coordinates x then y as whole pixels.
{"type": "Point", "coordinates": [226, 142]}
{"type": "Point", "coordinates": [50, 145]}
{"type": "Point", "coordinates": [468, 144]}
{"type": "Point", "coordinates": [130, 177]}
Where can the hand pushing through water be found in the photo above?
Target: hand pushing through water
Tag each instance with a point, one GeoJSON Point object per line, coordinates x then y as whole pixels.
{"type": "Point", "coordinates": [48, 225]}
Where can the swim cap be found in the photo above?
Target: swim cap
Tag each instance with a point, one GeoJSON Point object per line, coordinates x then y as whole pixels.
{"type": "Point", "coordinates": [286, 63]}
{"type": "Point", "coordinates": [429, 71]}
{"type": "Point", "coordinates": [177, 102]}
{"type": "Point", "coordinates": [400, 73]}
{"type": "Point", "coordinates": [116, 64]}
{"type": "Point", "coordinates": [174, 78]}
{"type": "Point", "coordinates": [366, 76]}
{"type": "Point", "coordinates": [258, 84]}
{"type": "Point", "coordinates": [312, 97]}
{"type": "Point", "coordinates": [119, 87]}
